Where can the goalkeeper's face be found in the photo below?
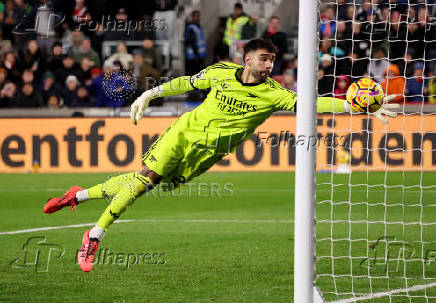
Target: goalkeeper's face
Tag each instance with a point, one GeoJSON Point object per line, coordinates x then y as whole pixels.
{"type": "Point", "coordinates": [260, 62]}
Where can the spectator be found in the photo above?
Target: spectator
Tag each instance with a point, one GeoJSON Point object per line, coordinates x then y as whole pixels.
{"type": "Point", "coordinates": [341, 86]}
{"type": "Point", "coordinates": [84, 72]}
{"type": "Point", "coordinates": [415, 89]}
{"type": "Point", "coordinates": [98, 39]}
{"type": "Point", "coordinates": [360, 42]}
{"type": "Point", "coordinates": [431, 87]}
{"type": "Point", "coordinates": [406, 66]}
{"type": "Point", "coordinates": [151, 56]}
{"type": "Point", "coordinates": [326, 76]}
{"type": "Point", "coordinates": [86, 51]}
{"type": "Point", "coordinates": [77, 38]}
{"type": "Point", "coordinates": [49, 87]}
{"type": "Point", "coordinates": [97, 89]}
{"type": "Point", "coordinates": [289, 81]}
{"type": "Point", "coordinates": [328, 22]}
{"type": "Point", "coordinates": [5, 47]}
{"type": "Point", "coordinates": [28, 77]}
{"type": "Point", "coordinates": [430, 45]}
{"type": "Point", "coordinates": [365, 11]}
{"type": "Point", "coordinates": [28, 97]}
{"type": "Point", "coordinates": [68, 68]}
{"type": "Point", "coordinates": [31, 58]}
{"type": "Point", "coordinates": [66, 37]}
{"type": "Point", "coordinates": [80, 11]}
{"type": "Point", "coordinates": [195, 45]}
{"type": "Point", "coordinates": [82, 98]}
{"type": "Point", "coordinates": [351, 14]}
{"type": "Point", "coordinates": [144, 71]}
{"type": "Point", "coordinates": [344, 36]}
{"type": "Point", "coordinates": [70, 91]}
{"type": "Point", "coordinates": [8, 94]}
{"type": "Point", "coordinates": [416, 33]}
{"type": "Point", "coordinates": [342, 9]}
{"type": "Point", "coordinates": [397, 38]}
{"type": "Point", "coordinates": [55, 60]}
{"type": "Point", "coordinates": [12, 67]}
{"type": "Point", "coordinates": [384, 14]}
{"type": "Point", "coordinates": [353, 66]}
{"type": "Point", "coordinates": [10, 20]}
{"type": "Point", "coordinates": [116, 33]}
{"type": "Point", "coordinates": [24, 17]}
{"type": "Point", "coordinates": [239, 26]}
{"type": "Point", "coordinates": [327, 48]}
{"type": "Point", "coordinates": [277, 37]}
{"type": "Point", "coordinates": [3, 75]}
{"type": "Point", "coordinates": [378, 65]}
{"type": "Point", "coordinates": [138, 62]}
{"type": "Point", "coordinates": [53, 101]}
{"type": "Point", "coordinates": [121, 55]}
{"type": "Point", "coordinates": [393, 83]}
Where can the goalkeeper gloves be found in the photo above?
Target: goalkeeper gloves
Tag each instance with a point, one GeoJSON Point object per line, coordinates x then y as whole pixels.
{"type": "Point", "coordinates": [141, 103]}
{"type": "Point", "coordinates": [385, 109]}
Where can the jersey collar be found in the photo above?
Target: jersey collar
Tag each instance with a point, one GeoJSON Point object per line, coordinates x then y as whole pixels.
{"type": "Point", "coordinates": [238, 77]}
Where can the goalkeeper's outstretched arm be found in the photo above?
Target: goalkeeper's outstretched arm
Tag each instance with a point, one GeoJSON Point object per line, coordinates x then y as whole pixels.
{"type": "Point", "coordinates": [332, 105]}
{"type": "Point", "coordinates": [176, 86]}
{"type": "Point", "coordinates": [335, 105]}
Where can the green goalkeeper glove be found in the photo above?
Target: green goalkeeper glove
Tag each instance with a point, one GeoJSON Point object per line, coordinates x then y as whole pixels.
{"type": "Point", "coordinates": [385, 109]}
{"type": "Point", "coordinates": [141, 103]}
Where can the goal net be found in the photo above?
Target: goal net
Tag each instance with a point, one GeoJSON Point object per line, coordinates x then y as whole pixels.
{"type": "Point", "coordinates": [376, 183]}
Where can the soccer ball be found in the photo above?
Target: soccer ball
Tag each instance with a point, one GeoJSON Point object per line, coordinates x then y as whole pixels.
{"type": "Point", "coordinates": [365, 95]}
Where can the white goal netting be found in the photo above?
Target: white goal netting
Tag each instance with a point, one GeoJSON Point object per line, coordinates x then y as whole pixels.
{"type": "Point", "coordinates": [376, 188]}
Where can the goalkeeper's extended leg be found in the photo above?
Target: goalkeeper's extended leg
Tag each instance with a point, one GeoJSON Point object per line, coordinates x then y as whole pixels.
{"type": "Point", "coordinates": [76, 194]}
{"type": "Point", "coordinates": [123, 190]}
{"type": "Point", "coordinates": [128, 188]}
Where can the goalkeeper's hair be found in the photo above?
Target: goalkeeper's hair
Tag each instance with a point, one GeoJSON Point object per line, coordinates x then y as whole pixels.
{"type": "Point", "coordinates": [256, 44]}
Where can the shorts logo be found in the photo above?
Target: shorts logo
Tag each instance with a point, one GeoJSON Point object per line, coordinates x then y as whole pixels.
{"type": "Point", "coordinates": [152, 159]}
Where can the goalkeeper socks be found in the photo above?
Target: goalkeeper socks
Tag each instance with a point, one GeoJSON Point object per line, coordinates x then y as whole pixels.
{"type": "Point", "coordinates": [96, 233]}
{"type": "Point", "coordinates": [128, 192]}
{"type": "Point", "coordinates": [82, 195]}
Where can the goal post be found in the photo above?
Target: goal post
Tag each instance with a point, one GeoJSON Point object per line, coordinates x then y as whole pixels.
{"type": "Point", "coordinates": [304, 266]}
{"type": "Point", "coordinates": [375, 218]}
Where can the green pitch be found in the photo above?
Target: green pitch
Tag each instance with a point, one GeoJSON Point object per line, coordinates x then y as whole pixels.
{"type": "Point", "coordinates": [228, 242]}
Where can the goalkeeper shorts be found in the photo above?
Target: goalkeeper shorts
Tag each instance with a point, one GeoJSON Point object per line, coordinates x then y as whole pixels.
{"type": "Point", "coordinates": [177, 154]}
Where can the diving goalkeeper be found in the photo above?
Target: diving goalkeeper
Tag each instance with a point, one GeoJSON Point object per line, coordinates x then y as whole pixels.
{"type": "Point", "coordinates": [240, 99]}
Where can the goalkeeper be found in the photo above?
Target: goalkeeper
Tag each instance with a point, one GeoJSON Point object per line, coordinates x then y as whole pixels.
{"type": "Point", "coordinates": [240, 99]}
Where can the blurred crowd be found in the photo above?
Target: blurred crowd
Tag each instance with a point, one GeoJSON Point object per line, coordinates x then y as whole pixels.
{"type": "Point", "coordinates": [394, 42]}
{"type": "Point", "coordinates": [51, 51]}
